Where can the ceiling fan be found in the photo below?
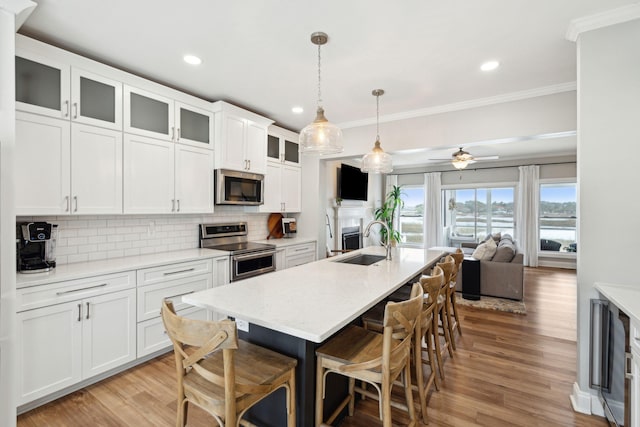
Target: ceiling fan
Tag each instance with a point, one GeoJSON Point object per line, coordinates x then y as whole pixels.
{"type": "Point", "coordinates": [461, 159]}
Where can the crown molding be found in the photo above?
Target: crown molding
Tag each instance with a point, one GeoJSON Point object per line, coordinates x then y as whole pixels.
{"type": "Point", "coordinates": [600, 20]}
{"type": "Point", "coordinates": [465, 105]}
{"type": "Point", "coordinates": [20, 8]}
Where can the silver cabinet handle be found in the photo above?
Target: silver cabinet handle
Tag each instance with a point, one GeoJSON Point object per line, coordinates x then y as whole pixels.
{"type": "Point", "coordinates": [180, 295]}
{"type": "Point", "coordinates": [75, 110]}
{"type": "Point", "coordinates": [178, 200]}
{"type": "Point", "coordinates": [66, 108]}
{"type": "Point", "coordinates": [75, 200]}
{"type": "Point", "coordinates": [173, 205]}
{"type": "Point", "coordinates": [169, 273]}
{"type": "Point", "coordinates": [173, 133]}
{"type": "Point", "coordinates": [178, 139]}
{"type": "Point", "coordinates": [79, 312]}
{"type": "Point", "coordinates": [249, 164]}
{"type": "Point", "coordinates": [83, 289]}
{"type": "Point", "coordinates": [66, 198]}
{"type": "Point", "coordinates": [628, 359]}
{"type": "Point", "coordinates": [87, 310]}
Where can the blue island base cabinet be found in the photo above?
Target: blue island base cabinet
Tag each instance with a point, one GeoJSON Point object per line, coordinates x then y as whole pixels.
{"type": "Point", "coordinates": [271, 412]}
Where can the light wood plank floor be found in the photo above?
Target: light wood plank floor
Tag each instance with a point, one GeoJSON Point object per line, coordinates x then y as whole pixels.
{"type": "Point", "coordinates": [509, 370]}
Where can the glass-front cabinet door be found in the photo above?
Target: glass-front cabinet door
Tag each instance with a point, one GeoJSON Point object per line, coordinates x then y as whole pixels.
{"type": "Point", "coordinates": [42, 86]}
{"type": "Point", "coordinates": [273, 148]}
{"type": "Point", "coordinates": [194, 126]}
{"type": "Point", "coordinates": [283, 149]}
{"type": "Point", "coordinates": [291, 153]}
{"type": "Point", "coordinates": [96, 100]}
{"type": "Point", "coordinates": [148, 114]}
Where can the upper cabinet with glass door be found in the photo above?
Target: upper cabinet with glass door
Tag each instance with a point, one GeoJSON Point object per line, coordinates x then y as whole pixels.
{"type": "Point", "coordinates": [156, 116]}
{"type": "Point", "coordinates": [54, 89]}
{"type": "Point", "coordinates": [282, 146]}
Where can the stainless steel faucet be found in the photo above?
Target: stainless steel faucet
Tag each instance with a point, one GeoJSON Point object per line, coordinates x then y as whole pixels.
{"type": "Point", "coordinates": [387, 245]}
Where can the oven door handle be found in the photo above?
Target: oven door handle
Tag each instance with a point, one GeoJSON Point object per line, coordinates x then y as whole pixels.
{"type": "Point", "coordinates": [254, 255]}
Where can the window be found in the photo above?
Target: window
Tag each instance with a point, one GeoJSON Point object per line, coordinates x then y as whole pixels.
{"type": "Point", "coordinates": [557, 217]}
{"type": "Point", "coordinates": [472, 213]}
{"type": "Point", "coordinates": [411, 218]}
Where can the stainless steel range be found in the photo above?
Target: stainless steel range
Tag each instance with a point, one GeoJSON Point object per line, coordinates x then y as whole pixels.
{"type": "Point", "coordinates": [246, 259]}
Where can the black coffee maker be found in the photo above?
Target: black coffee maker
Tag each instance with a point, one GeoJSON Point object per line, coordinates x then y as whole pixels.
{"type": "Point", "coordinates": [36, 246]}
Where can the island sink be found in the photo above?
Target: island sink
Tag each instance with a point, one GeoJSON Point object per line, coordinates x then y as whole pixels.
{"type": "Point", "coordinates": [362, 259]}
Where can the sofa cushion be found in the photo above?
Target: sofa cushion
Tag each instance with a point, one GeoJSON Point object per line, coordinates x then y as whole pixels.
{"type": "Point", "coordinates": [496, 237]}
{"type": "Point", "coordinates": [506, 237]}
{"type": "Point", "coordinates": [485, 251]}
{"type": "Point", "coordinates": [505, 252]}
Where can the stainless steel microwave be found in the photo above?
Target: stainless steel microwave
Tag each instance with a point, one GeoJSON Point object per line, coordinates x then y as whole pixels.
{"type": "Point", "coordinates": [238, 188]}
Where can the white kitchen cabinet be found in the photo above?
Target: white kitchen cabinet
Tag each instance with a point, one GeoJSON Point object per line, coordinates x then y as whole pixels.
{"type": "Point", "coordinates": [172, 282]}
{"type": "Point", "coordinates": [74, 330]}
{"type": "Point", "coordinates": [634, 339]}
{"type": "Point", "coordinates": [282, 182]}
{"type": "Point", "coordinates": [48, 87]}
{"type": "Point", "coordinates": [280, 264]}
{"type": "Point", "coordinates": [299, 254]}
{"type": "Point", "coordinates": [241, 139]}
{"type": "Point", "coordinates": [156, 116]}
{"type": "Point", "coordinates": [163, 177]}
{"type": "Point", "coordinates": [79, 167]}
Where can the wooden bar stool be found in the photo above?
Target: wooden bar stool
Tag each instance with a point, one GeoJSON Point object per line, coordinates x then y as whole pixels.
{"type": "Point", "coordinates": [432, 285]}
{"type": "Point", "coordinates": [221, 374]}
{"type": "Point", "coordinates": [377, 359]}
{"type": "Point", "coordinates": [448, 266]}
{"type": "Point", "coordinates": [454, 319]}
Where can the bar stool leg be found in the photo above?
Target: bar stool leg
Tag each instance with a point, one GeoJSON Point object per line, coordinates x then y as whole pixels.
{"type": "Point", "coordinates": [319, 393]}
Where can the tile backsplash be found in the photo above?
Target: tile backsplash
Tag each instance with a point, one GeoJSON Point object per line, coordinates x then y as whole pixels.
{"type": "Point", "coordinates": [92, 238]}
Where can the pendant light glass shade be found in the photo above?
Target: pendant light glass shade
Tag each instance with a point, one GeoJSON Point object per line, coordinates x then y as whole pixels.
{"type": "Point", "coordinates": [320, 136]}
{"type": "Point", "coordinates": [377, 161]}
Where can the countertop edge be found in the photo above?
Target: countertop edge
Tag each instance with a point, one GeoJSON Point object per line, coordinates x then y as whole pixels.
{"type": "Point", "coordinates": [616, 294]}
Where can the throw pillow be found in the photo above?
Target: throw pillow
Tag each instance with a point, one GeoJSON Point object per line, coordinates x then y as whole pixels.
{"type": "Point", "coordinates": [490, 250]}
{"type": "Point", "coordinates": [505, 252]}
{"type": "Point", "coordinates": [480, 250]}
{"type": "Point", "coordinates": [507, 237]}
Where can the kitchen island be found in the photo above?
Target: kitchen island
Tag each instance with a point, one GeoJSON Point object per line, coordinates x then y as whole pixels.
{"type": "Point", "coordinates": [295, 310]}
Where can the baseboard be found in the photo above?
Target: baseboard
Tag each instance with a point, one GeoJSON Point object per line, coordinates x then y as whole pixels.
{"type": "Point", "coordinates": [585, 402]}
{"type": "Point", "coordinates": [569, 264]}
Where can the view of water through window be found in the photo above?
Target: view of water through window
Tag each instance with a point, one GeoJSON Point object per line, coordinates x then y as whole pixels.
{"type": "Point", "coordinates": [558, 217]}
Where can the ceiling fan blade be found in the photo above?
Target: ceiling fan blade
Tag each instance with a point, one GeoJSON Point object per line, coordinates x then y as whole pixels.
{"type": "Point", "coordinates": [487, 158]}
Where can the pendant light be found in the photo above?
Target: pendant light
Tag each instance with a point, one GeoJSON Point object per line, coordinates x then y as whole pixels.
{"type": "Point", "coordinates": [377, 161]}
{"type": "Point", "coordinates": [321, 136]}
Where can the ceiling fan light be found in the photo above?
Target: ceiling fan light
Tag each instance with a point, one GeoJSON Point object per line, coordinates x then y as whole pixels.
{"type": "Point", "coordinates": [377, 161]}
{"type": "Point", "coordinates": [460, 163]}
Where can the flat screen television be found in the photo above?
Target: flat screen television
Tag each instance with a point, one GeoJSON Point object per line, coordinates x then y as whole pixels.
{"type": "Point", "coordinates": [352, 183]}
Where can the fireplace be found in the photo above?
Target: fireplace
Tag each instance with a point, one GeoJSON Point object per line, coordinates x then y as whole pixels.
{"type": "Point", "coordinates": [351, 238]}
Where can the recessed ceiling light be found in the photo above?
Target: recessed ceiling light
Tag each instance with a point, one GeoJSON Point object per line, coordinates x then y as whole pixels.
{"type": "Point", "coordinates": [489, 65]}
{"type": "Point", "coordinates": [192, 59]}
{"type": "Point", "coordinates": [297, 110]}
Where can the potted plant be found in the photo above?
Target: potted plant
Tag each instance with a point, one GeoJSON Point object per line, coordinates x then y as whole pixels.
{"type": "Point", "coordinates": [393, 202]}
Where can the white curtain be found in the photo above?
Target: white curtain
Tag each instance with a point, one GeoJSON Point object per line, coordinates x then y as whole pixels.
{"type": "Point", "coordinates": [433, 209]}
{"type": "Point", "coordinates": [527, 213]}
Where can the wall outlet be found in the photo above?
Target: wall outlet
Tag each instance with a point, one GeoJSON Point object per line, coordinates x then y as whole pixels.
{"type": "Point", "coordinates": [242, 325]}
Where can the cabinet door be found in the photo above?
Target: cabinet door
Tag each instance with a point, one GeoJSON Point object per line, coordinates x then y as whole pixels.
{"type": "Point", "coordinates": [256, 147]}
{"type": "Point", "coordinates": [273, 148]}
{"type": "Point", "coordinates": [108, 332]}
{"type": "Point", "coordinates": [194, 126]}
{"type": "Point", "coordinates": [280, 263]}
{"type": "Point", "coordinates": [221, 273]}
{"type": "Point", "coordinates": [193, 179]}
{"type": "Point", "coordinates": [635, 388]}
{"type": "Point", "coordinates": [148, 175]}
{"type": "Point", "coordinates": [96, 170]}
{"type": "Point", "coordinates": [148, 114]}
{"type": "Point", "coordinates": [291, 194]}
{"type": "Point", "coordinates": [233, 143]}
{"type": "Point", "coordinates": [291, 152]}
{"type": "Point", "coordinates": [272, 188]}
{"type": "Point", "coordinates": [42, 170]}
{"type": "Point", "coordinates": [96, 100]}
{"type": "Point", "coordinates": [49, 351]}
{"type": "Point", "coordinates": [42, 86]}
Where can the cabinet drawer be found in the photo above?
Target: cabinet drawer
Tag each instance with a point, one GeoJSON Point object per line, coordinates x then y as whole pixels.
{"type": "Point", "coordinates": [150, 297]}
{"type": "Point", "coordinates": [71, 290]}
{"type": "Point", "coordinates": [152, 335]}
{"type": "Point", "coordinates": [149, 276]}
{"type": "Point", "coordinates": [300, 259]}
{"type": "Point", "coordinates": [301, 249]}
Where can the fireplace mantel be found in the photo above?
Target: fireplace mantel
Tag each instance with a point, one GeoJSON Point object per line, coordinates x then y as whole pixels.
{"type": "Point", "coordinates": [349, 216]}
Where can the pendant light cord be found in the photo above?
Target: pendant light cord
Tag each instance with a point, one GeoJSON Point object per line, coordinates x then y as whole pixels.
{"type": "Point", "coordinates": [377, 117]}
{"type": "Point", "coordinates": [319, 79]}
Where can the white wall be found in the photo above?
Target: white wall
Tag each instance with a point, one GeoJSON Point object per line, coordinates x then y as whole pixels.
{"type": "Point", "coordinates": [608, 137]}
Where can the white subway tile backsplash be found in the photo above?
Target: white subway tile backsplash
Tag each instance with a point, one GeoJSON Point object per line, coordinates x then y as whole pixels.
{"type": "Point", "coordinates": [98, 237]}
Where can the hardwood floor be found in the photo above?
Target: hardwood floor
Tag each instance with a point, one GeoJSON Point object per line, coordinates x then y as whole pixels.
{"type": "Point", "coordinates": [509, 370]}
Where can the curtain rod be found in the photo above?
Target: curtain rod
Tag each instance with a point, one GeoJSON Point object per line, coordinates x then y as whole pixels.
{"type": "Point", "coordinates": [489, 167]}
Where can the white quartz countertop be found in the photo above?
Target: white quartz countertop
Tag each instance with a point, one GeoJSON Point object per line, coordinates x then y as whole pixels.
{"type": "Point", "coordinates": [94, 268]}
{"type": "Point", "coordinates": [625, 297]}
{"type": "Point", "coordinates": [284, 242]}
{"type": "Point", "coordinates": [313, 301]}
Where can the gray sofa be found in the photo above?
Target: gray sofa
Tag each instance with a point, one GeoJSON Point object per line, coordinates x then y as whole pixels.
{"type": "Point", "coordinates": [497, 278]}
